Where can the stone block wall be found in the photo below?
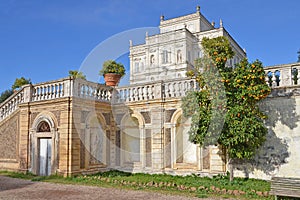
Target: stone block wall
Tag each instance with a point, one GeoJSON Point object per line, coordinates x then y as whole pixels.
{"type": "Point", "coordinates": [9, 133]}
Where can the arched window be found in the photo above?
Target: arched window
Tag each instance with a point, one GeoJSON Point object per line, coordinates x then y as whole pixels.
{"type": "Point", "coordinates": [152, 59]}
{"type": "Point", "coordinates": [43, 127]}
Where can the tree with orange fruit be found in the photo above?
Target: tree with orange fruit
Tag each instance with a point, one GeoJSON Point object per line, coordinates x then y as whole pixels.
{"type": "Point", "coordinates": [225, 110]}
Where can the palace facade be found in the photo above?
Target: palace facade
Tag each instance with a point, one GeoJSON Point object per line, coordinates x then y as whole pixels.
{"type": "Point", "coordinates": [72, 126]}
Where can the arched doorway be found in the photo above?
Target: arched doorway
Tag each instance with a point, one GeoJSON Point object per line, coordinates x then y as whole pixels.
{"type": "Point", "coordinates": [94, 143]}
{"type": "Point", "coordinates": [43, 145]}
{"type": "Point", "coordinates": [96, 138]}
{"type": "Point", "coordinates": [131, 138]}
{"type": "Point", "coordinates": [186, 153]}
{"type": "Point", "coordinates": [44, 150]}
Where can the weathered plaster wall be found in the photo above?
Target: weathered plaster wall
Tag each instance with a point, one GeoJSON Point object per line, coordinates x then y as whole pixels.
{"type": "Point", "coordinates": [280, 155]}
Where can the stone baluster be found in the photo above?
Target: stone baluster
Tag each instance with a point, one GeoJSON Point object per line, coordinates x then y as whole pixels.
{"type": "Point", "coordinates": [99, 94]}
{"type": "Point", "coordinates": [83, 90]}
{"type": "Point", "coordinates": [128, 98]}
{"type": "Point", "coordinates": [103, 94]}
{"type": "Point", "coordinates": [62, 91]}
{"type": "Point", "coordinates": [298, 76]}
{"type": "Point", "coordinates": [88, 92]}
{"type": "Point", "coordinates": [47, 94]}
{"type": "Point", "coordinates": [35, 93]}
{"type": "Point", "coordinates": [96, 93]}
{"type": "Point", "coordinates": [44, 92]}
{"type": "Point", "coordinates": [125, 95]}
{"type": "Point", "coordinates": [140, 93]}
{"type": "Point", "coordinates": [171, 90]}
{"type": "Point", "coordinates": [166, 90]}
{"type": "Point", "coordinates": [145, 92]}
{"type": "Point", "coordinates": [51, 91]}
{"type": "Point", "coordinates": [177, 88]}
{"type": "Point", "coordinates": [120, 95]}
{"type": "Point", "coordinates": [38, 93]}
{"type": "Point", "coordinates": [273, 79]}
{"type": "Point", "coordinates": [132, 94]}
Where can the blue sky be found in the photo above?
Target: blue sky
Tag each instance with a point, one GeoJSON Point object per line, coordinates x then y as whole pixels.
{"type": "Point", "coordinates": [43, 40]}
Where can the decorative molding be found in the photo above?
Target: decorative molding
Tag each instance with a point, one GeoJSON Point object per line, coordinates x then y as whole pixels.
{"type": "Point", "coordinates": [107, 118]}
{"type": "Point", "coordinates": [169, 114]}
{"type": "Point", "coordinates": [147, 116]}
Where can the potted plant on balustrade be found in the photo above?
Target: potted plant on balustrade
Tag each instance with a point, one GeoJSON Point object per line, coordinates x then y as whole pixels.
{"type": "Point", "coordinates": [112, 72]}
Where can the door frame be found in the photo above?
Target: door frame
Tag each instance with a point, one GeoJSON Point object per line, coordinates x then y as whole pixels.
{"type": "Point", "coordinates": [39, 155]}
{"type": "Point", "coordinates": [34, 137]}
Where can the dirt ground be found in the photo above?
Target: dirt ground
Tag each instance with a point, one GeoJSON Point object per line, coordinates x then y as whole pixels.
{"type": "Point", "coordinates": [18, 189]}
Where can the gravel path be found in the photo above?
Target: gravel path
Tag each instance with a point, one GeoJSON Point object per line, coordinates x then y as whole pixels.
{"type": "Point", "coordinates": [18, 189]}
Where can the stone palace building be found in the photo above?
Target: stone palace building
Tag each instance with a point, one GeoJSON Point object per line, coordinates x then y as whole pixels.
{"type": "Point", "coordinates": [72, 126]}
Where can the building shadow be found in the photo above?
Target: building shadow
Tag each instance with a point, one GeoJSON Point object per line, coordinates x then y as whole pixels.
{"type": "Point", "coordinates": [7, 183]}
{"type": "Point", "coordinates": [281, 111]}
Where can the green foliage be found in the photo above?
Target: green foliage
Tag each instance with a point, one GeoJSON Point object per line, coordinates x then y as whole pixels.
{"type": "Point", "coordinates": [19, 82]}
{"type": "Point", "coordinates": [111, 66]}
{"type": "Point", "coordinates": [5, 95]}
{"type": "Point", "coordinates": [203, 186]}
{"type": "Point", "coordinates": [225, 109]}
{"type": "Point", "coordinates": [76, 74]}
{"type": "Point", "coordinates": [244, 131]}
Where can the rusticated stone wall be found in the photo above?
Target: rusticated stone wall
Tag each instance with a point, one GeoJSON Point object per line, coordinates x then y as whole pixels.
{"type": "Point", "coordinates": [9, 130]}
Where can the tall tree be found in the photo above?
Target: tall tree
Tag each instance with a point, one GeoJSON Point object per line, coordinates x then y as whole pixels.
{"type": "Point", "coordinates": [225, 110]}
{"type": "Point", "coordinates": [298, 56]}
{"type": "Point", "coordinates": [5, 95]}
{"type": "Point", "coordinates": [76, 74]}
{"type": "Point", "coordinates": [19, 82]}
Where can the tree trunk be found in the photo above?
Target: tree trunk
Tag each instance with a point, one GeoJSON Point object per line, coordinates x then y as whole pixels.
{"type": "Point", "coordinates": [231, 175]}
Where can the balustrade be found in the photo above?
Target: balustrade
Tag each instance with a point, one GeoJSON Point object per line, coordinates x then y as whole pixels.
{"type": "Point", "coordinates": [283, 75]}
{"type": "Point", "coordinates": [11, 104]}
{"type": "Point", "coordinates": [276, 76]}
{"type": "Point", "coordinates": [48, 91]}
{"type": "Point", "coordinates": [156, 90]}
{"type": "Point", "coordinates": [93, 91]}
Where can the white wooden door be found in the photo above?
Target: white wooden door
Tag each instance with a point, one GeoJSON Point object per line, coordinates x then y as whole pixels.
{"type": "Point", "coordinates": [45, 157]}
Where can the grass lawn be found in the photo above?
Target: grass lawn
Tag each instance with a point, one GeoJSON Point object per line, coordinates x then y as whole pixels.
{"type": "Point", "coordinates": [193, 185]}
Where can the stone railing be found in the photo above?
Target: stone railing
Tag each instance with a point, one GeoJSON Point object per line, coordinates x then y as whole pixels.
{"type": "Point", "coordinates": [283, 75]}
{"type": "Point", "coordinates": [67, 87]}
{"type": "Point", "coordinates": [276, 76]}
{"type": "Point", "coordinates": [50, 90]}
{"type": "Point", "coordinates": [93, 91]}
{"type": "Point", "coordinates": [11, 104]}
{"type": "Point", "coordinates": [156, 90]}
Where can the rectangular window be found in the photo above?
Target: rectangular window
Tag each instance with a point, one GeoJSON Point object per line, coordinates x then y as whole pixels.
{"type": "Point", "coordinates": [165, 58]}
{"type": "Point", "coordinates": [136, 67]}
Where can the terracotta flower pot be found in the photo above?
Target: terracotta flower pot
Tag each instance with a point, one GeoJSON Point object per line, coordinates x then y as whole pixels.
{"type": "Point", "coordinates": [112, 79]}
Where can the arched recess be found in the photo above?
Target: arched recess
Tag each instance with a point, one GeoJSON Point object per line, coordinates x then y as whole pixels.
{"type": "Point", "coordinates": [44, 139]}
{"type": "Point", "coordinates": [132, 141]}
{"type": "Point", "coordinates": [94, 142]}
{"type": "Point", "coordinates": [184, 154]}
